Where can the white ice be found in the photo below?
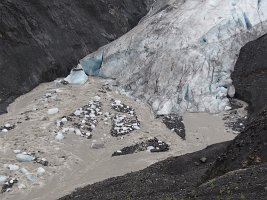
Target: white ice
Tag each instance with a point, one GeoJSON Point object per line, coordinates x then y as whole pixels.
{"type": "Point", "coordinates": [180, 56]}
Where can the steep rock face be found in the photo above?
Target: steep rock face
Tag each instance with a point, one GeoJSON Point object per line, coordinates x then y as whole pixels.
{"type": "Point", "coordinates": [250, 74]}
{"type": "Point", "coordinates": [250, 80]}
{"type": "Point", "coordinates": [182, 53]}
{"type": "Point", "coordinates": [41, 40]}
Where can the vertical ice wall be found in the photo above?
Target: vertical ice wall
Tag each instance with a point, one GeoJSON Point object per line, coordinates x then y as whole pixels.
{"type": "Point", "coordinates": [180, 57]}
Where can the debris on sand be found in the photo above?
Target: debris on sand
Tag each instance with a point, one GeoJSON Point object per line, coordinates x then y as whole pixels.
{"type": "Point", "coordinates": [122, 125]}
{"type": "Point", "coordinates": [120, 107]}
{"type": "Point", "coordinates": [152, 145]}
{"type": "Point", "coordinates": [175, 124]}
{"type": "Point", "coordinates": [8, 185]}
{"type": "Point", "coordinates": [7, 127]}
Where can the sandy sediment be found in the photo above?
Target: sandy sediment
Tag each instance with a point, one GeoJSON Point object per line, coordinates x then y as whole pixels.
{"type": "Point", "coordinates": [72, 161]}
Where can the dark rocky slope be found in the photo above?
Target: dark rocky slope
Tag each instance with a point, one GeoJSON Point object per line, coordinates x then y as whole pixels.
{"type": "Point", "coordinates": [250, 75]}
{"type": "Point", "coordinates": [41, 40]}
{"type": "Point", "coordinates": [234, 170]}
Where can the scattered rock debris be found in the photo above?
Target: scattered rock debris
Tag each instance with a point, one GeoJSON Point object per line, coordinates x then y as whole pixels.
{"type": "Point", "coordinates": [236, 117]}
{"type": "Point", "coordinates": [9, 184]}
{"type": "Point", "coordinates": [123, 125]}
{"type": "Point", "coordinates": [7, 127]}
{"type": "Point", "coordinates": [175, 124]}
{"type": "Point", "coordinates": [120, 107]}
{"type": "Point", "coordinates": [83, 121]}
{"type": "Point", "coordinates": [152, 145]}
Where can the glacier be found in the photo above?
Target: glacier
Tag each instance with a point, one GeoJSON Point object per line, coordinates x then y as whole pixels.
{"type": "Point", "coordinates": [181, 55]}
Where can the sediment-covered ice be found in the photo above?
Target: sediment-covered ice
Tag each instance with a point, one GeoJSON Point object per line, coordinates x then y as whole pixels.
{"type": "Point", "coordinates": [182, 53]}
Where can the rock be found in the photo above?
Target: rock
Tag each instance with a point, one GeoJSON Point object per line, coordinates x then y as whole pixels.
{"type": "Point", "coordinates": [97, 145]}
{"type": "Point", "coordinates": [8, 185]}
{"type": "Point", "coordinates": [24, 158]}
{"type": "Point", "coordinates": [52, 111]}
{"type": "Point", "coordinates": [41, 161]}
{"type": "Point", "coordinates": [40, 171]}
{"type": "Point", "coordinates": [203, 160]}
{"type": "Point", "coordinates": [231, 91]}
{"type": "Point", "coordinates": [59, 136]}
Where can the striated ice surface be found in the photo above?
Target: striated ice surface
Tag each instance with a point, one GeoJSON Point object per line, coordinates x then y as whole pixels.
{"type": "Point", "coordinates": [181, 55]}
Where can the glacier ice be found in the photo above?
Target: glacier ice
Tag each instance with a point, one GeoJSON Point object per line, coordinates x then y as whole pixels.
{"type": "Point", "coordinates": [180, 56]}
{"type": "Point", "coordinates": [91, 66]}
{"type": "Point", "coordinates": [77, 76]}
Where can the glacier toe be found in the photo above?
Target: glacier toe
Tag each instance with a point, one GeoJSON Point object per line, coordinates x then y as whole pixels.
{"type": "Point", "coordinates": [77, 76]}
{"type": "Point", "coordinates": [180, 56]}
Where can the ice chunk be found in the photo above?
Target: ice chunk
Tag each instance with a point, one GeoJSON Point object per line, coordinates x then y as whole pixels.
{"type": "Point", "coordinates": [7, 125]}
{"type": "Point", "coordinates": [64, 120]}
{"type": "Point", "coordinates": [4, 130]}
{"type": "Point", "coordinates": [28, 175]}
{"type": "Point", "coordinates": [24, 158]}
{"type": "Point", "coordinates": [77, 76]}
{"type": "Point", "coordinates": [78, 132]}
{"type": "Point", "coordinates": [77, 112]}
{"type": "Point", "coordinates": [22, 186]}
{"type": "Point", "coordinates": [40, 171]}
{"type": "Point", "coordinates": [3, 179]}
{"type": "Point", "coordinates": [59, 136]}
{"type": "Point", "coordinates": [16, 151]}
{"type": "Point", "coordinates": [149, 148]}
{"type": "Point", "coordinates": [52, 111]}
{"type": "Point", "coordinates": [13, 167]}
{"type": "Point", "coordinates": [97, 98]}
